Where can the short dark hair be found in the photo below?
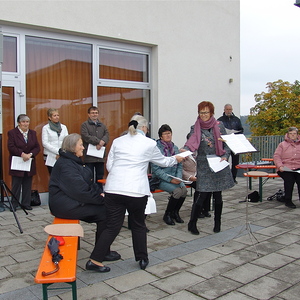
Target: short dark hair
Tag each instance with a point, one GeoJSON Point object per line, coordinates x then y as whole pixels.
{"type": "Point", "coordinates": [163, 128]}
{"type": "Point", "coordinates": [93, 108]}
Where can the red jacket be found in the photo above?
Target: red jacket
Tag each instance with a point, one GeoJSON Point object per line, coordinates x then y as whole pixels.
{"type": "Point", "coordinates": [16, 145]}
{"type": "Point", "coordinates": [288, 154]}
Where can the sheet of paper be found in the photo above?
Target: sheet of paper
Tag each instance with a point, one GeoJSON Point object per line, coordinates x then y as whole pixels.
{"type": "Point", "coordinates": [50, 160]}
{"type": "Point", "coordinates": [180, 179]}
{"type": "Point", "coordinates": [185, 153]}
{"type": "Point", "coordinates": [286, 169]}
{"type": "Point", "coordinates": [230, 131]}
{"type": "Point", "coordinates": [92, 151]}
{"type": "Point", "coordinates": [17, 163]}
{"type": "Point", "coordinates": [238, 143]}
{"type": "Point", "coordinates": [216, 164]}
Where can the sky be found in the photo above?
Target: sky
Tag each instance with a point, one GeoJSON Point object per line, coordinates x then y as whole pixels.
{"type": "Point", "coordinates": [270, 46]}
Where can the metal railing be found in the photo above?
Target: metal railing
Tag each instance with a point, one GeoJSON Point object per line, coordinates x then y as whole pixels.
{"type": "Point", "coordinates": [266, 146]}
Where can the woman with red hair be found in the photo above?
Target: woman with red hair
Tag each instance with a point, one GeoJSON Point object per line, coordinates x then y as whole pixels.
{"type": "Point", "coordinates": [206, 140]}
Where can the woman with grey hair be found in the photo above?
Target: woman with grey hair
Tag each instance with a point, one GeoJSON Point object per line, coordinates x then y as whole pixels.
{"type": "Point", "coordinates": [287, 161]}
{"type": "Point", "coordinates": [73, 195]}
{"type": "Point", "coordinates": [22, 142]}
{"type": "Point", "coordinates": [53, 134]}
{"type": "Point", "coordinates": [127, 187]}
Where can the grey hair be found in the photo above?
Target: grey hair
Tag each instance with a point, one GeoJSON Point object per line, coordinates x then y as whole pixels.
{"type": "Point", "coordinates": [50, 111]}
{"type": "Point", "coordinates": [141, 123]}
{"type": "Point", "coordinates": [293, 129]}
{"type": "Point", "coordinates": [70, 141]}
{"type": "Point", "coordinates": [22, 117]}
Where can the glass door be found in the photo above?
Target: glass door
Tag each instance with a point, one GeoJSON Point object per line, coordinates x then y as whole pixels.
{"type": "Point", "coordinates": [11, 108]}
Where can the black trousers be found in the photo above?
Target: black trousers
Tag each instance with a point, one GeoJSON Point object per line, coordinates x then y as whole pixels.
{"type": "Point", "coordinates": [289, 180]}
{"type": "Point", "coordinates": [25, 184]}
{"type": "Point", "coordinates": [116, 206]}
{"type": "Point", "coordinates": [234, 161]}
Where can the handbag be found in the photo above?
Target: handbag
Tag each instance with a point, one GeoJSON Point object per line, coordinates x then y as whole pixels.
{"type": "Point", "coordinates": [154, 183]}
{"type": "Point", "coordinates": [35, 198]}
{"type": "Point", "coordinates": [253, 197]}
{"type": "Point", "coordinates": [279, 196]}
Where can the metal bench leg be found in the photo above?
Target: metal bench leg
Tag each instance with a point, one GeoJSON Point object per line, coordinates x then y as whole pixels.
{"type": "Point", "coordinates": [45, 290]}
{"type": "Point", "coordinates": [260, 188]}
{"type": "Point", "coordinates": [74, 290]}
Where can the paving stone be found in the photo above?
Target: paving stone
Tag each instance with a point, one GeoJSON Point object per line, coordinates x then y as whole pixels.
{"type": "Point", "coordinates": [130, 281]}
{"type": "Point", "coordinates": [264, 288]}
{"type": "Point", "coordinates": [168, 268]}
{"type": "Point", "coordinates": [212, 268]}
{"type": "Point", "coordinates": [246, 273]}
{"type": "Point", "coordinates": [273, 261]}
{"type": "Point", "coordinates": [177, 282]}
{"type": "Point", "coordinates": [200, 257]}
{"type": "Point", "coordinates": [214, 287]}
{"type": "Point", "coordinates": [183, 295]}
{"type": "Point", "coordinates": [144, 292]}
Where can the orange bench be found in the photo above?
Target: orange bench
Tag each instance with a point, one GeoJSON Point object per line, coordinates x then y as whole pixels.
{"type": "Point", "coordinates": [67, 266]}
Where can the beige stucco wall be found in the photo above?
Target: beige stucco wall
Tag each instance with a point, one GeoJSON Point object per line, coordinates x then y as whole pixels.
{"type": "Point", "coordinates": [192, 42]}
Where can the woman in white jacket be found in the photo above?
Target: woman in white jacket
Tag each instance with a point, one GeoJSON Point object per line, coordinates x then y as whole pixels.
{"type": "Point", "coordinates": [53, 134]}
{"type": "Point", "coordinates": [127, 187]}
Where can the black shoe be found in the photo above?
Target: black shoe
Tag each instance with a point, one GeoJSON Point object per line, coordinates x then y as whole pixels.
{"type": "Point", "coordinates": [193, 228]}
{"type": "Point", "coordinates": [217, 227]}
{"type": "Point", "coordinates": [201, 216]}
{"type": "Point", "coordinates": [144, 263]}
{"type": "Point", "coordinates": [207, 214]}
{"type": "Point", "coordinates": [15, 207]}
{"type": "Point", "coordinates": [235, 181]}
{"type": "Point", "coordinates": [290, 204]}
{"type": "Point", "coordinates": [147, 229]}
{"type": "Point", "coordinates": [176, 217]}
{"type": "Point", "coordinates": [91, 266]}
{"type": "Point", "coordinates": [112, 256]}
{"type": "Point", "coordinates": [27, 207]}
{"type": "Point", "coordinates": [167, 218]}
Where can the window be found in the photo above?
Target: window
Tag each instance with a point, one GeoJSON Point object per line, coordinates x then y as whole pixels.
{"type": "Point", "coordinates": [10, 54]}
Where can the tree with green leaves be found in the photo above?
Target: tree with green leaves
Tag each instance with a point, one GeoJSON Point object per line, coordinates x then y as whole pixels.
{"type": "Point", "coordinates": [276, 110]}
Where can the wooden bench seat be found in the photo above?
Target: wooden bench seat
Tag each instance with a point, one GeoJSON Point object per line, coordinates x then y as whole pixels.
{"type": "Point", "coordinates": [67, 266]}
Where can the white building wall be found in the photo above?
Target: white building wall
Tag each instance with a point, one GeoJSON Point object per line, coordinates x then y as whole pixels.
{"type": "Point", "coordinates": [192, 42]}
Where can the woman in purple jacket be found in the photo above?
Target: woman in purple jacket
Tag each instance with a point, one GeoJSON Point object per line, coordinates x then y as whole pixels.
{"type": "Point", "coordinates": [22, 142]}
{"type": "Point", "coordinates": [287, 161]}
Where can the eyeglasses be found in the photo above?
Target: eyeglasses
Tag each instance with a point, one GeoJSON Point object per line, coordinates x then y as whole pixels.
{"type": "Point", "coordinates": [204, 112]}
{"type": "Point", "coordinates": [167, 133]}
{"type": "Point", "coordinates": [94, 113]}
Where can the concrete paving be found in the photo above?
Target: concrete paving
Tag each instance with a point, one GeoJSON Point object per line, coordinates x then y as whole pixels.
{"type": "Point", "coordinates": [251, 258]}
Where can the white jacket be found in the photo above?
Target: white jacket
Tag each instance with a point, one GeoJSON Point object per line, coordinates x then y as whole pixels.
{"type": "Point", "coordinates": [127, 164]}
{"type": "Point", "coordinates": [51, 141]}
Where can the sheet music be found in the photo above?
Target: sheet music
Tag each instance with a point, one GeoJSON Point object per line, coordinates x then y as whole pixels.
{"type": "Point", "coordinates": [92, 151]}
{"type": "Point", "coordinates": [286, 169]}
{"type": "Point", "coordinates": [180, 179]}
{"type": "Point", "coordinates": [215, 163]}
{"type": "Point", "coordinates": [184, 153]}
{"type": "Point", "coordinates": [238, 143]}
{"type": "Point", "coordinates": [50, 160]}
{"type": "Point", "coordinates": [17, 163]}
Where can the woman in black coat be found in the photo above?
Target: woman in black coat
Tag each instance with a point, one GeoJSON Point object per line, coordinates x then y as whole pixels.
{"type": "Point", "coordinates": [22, 142]}
{"type": "Point", "coordinates": [73, 195]}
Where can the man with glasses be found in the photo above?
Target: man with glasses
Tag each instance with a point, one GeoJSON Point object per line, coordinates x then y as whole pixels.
{"type": "Point", "coordinates": [232, 125]}
{"type": "Point", "coordinates": [95, 133]}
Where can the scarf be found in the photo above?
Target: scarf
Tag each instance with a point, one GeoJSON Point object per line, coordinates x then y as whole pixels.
{"type": "Point", "coordinates": [168, 148]}
{"type": "Point", "coordinates": [195, 139]}
{"type": "Point", "coordinates": [55, 127]}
